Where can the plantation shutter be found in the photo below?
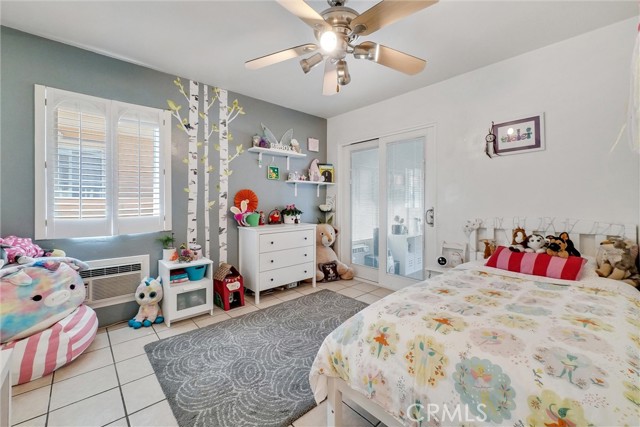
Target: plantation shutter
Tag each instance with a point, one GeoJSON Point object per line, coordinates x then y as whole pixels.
{"type": "Point", "coordinates": [102, 168]}
{"type": "Point", "coordinates": [78, 159]}
{"type": "Point", "coordinates": [140, 170]}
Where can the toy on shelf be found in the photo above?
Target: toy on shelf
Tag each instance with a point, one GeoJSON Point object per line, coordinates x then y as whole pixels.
{"type": "Point", "coordinates": [314, 171]}
{"type": "Point", "coordinates": [274, 217]}
{"type": "Point", "coordinates": [185, 254]}
{"type": "Point", "coordinates": [239, 213]}
{"type": "Point", "coordinates": [148, 295]}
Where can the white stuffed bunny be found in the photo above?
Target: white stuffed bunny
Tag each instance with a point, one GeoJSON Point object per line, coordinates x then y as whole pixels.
{"type": "Point", "coordinates": [240, 214]}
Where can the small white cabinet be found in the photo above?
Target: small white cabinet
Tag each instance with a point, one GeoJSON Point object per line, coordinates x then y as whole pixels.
{"type": "Point", "coordinates": [186, 299]}
{"type": "Point", "coordinates": [274, 255]}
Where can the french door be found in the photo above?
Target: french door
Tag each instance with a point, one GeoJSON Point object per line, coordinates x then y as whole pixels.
{"type": "Point", "coordinates": [389, 232]}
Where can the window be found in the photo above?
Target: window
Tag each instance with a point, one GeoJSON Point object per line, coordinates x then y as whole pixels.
{"type": "Point", "coordinates": [103, 167]}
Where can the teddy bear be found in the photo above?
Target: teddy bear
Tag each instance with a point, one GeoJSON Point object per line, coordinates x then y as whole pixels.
{"type": "Point", "coordinates": [616, 259]}
{"type": "Point", "coordinates": [325, 237]}
{"type": "Point", "coordinates": [148, 295]}
{"type": "Point", "coordinates": [519, 240]}
{"type": "Point", "coordinates": [557, 247]}
{"type": "Point", "coordinates": [536, 244]}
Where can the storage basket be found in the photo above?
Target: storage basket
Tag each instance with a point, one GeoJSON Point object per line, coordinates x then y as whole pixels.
{"type": "Point", "coordinates": [197, 272]}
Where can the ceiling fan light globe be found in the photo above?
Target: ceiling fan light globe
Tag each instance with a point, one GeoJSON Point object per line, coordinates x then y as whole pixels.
{"type": "Point", "coordinates": [328, 41]}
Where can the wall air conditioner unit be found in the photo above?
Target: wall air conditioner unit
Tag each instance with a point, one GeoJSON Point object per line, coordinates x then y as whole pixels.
{"type": "Point", "coordinates": [358, 252]}
{"type": "Point", "coordinates": [114, 281]}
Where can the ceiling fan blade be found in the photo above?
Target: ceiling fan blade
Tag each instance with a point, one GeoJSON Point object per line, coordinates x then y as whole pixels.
{"type": "Point", "coordinates": [283, 55]}
{"type": "Point", "coordinates": [305, 12]}
{"type": "Point", "coordinates": [330, 84]}
{"type": "Point", "coordinates": [388, 57]}
{"type": "Point", "coordinates": [385, 13]}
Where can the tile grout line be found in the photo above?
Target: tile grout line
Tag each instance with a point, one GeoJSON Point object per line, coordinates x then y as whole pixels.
{"type": "Point", "coordinates": [124, 405]}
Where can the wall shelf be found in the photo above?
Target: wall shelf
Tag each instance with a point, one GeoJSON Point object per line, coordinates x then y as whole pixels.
{"type": "Point", "coordinates": [275, 153]}
{"type": "Point", "coordinates": [296, 182]}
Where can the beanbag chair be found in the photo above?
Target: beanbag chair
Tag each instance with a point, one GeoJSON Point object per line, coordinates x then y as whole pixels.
{"type": "Point", "coordinates": [42, 353]}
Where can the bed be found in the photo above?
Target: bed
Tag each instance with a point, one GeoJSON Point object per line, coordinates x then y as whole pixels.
{"type": "Point", "coordinates": [482, 346]}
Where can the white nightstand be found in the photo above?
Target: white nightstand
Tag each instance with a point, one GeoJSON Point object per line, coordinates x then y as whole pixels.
{"type": "Point", "coordinates": [187, 299]}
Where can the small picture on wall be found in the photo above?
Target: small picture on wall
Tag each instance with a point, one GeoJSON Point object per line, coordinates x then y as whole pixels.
{"type": "Point", "coordinates": [273, 173]}
{"type": "Point", "coordinates": [520, 136]}
{"type": "Point", "coordinates": [326, 171]}
{"type": "Point", "coordinates": [313, 144]}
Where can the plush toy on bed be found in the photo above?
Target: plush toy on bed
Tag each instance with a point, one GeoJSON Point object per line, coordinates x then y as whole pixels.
{"type": "Point", "coordinates": [519, 240]}
{"type": "Point", "coordinates": [148, 295]}
{"type": "Point", "coordinates": [536, 244]}
{"type": "Point", "coordinates": [325, 237]}
{"type": "Point", "coordinates": [616, 259]}
{"type": "Point", "coordinates": [570, 247]}
{"type": "Point", "coordinates": [557, 247]}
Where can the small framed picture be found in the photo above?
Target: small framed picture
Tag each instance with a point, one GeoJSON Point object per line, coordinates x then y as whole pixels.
{"type": "Point", "coordinates": [520, 136]}
{"type": "Point", "coordinates": [313, 144]}
{"type": "Point", "coordinates": [326, 171]}
{"type": "Point", "coordinates": [273, 173]}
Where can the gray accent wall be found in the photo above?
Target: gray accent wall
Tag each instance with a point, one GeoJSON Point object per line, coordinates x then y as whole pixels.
{"type": "Point", "coordinates": [26, 60]}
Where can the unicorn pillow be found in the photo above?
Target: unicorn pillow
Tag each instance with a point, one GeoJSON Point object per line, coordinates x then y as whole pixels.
{"type": "Point", "coordinates": [36, 297]}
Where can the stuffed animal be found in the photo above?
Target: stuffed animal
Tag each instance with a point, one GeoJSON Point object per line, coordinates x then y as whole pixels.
{"type": "Point", "coordinates": [36, 297]}
{"type": "Point", "coordinates": [570, 247]}
{"type": "Point", "coordinates": [489, 248]}
{"type": "Point", "coordinates": [616, 259]}
{"type": "Point", "coordinates": [148, 295]}
{"type": "Point", "coordinates": [557, 247]}
{"type": "Point", "coordinates": [22, 250]}
{"type": "Point", "coordinates": [314, 171]}
{"type": "Point", "coordinates": [519, 240]}
{"type": "Point", "coordinates": [325, 237]}
{"type": "Point", "coordinates": [536, 244]}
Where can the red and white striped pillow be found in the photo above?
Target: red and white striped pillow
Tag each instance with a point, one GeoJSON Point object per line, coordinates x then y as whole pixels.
{"type": "Point", "coordinates": [537, 264]}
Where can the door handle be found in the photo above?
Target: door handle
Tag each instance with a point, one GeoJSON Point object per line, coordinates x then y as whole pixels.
{"type": "Point", "coordinates": [430, 217]}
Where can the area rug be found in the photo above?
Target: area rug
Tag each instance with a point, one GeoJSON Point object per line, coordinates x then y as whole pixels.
{"type": "Point", "coordinates": [252, 370]}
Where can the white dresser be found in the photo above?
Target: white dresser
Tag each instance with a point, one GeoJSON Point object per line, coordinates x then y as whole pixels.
{"type": "Point", "coordinates": [274, 255]}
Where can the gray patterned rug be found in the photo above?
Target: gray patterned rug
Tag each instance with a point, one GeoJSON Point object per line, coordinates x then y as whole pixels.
{"type": "Point", "coordinates": [252, 370]}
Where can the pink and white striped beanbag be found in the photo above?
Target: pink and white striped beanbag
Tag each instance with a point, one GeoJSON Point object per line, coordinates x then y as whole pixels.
{"type": "Point", "coordinates": [44, 352]}
{"type": "Point", "coordinates": [537, 264]}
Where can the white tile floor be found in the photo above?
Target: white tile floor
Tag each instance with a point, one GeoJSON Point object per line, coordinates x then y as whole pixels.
{"type": "Point", "coordinates": [113, 383]}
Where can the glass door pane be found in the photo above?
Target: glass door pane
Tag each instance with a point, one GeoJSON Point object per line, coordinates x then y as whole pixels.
{"type": "Point", "coordinates": [365, 172]}
{"type": "Point", "coordinates": [405, 208]}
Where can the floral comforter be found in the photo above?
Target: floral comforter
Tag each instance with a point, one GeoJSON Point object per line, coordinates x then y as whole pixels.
{"type": "Point", "coordinates": [470, 347]}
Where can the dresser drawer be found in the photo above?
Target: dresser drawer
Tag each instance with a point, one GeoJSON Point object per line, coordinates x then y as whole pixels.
{"type": "Point", "coordinates": [279, 241]}
{"type": "Point", "coordinates": [281, 276]}
{"type": "Point", "coordinates": [279, 259]}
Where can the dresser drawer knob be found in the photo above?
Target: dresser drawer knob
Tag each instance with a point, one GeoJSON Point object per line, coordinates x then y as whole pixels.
{"type": "Point", "coordinates": [305, 271]}
{"type": "Point", "coordinates": [305, 238]}
{"type": "Point", "coordinates": [305, 254]}
{"type": "Point", "coordinates": [272, 279]}
{"type": "Point", "coordinates": [271, 261]}
{"type": "Point", "coordinates": [272, 243]}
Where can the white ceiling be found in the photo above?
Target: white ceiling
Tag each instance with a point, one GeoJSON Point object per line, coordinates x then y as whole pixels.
{"type": "Point", "coordinates": [209, 41]}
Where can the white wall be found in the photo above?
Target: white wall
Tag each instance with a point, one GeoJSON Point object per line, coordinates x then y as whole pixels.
{"type": "Point", "coordinates": [581, 85]}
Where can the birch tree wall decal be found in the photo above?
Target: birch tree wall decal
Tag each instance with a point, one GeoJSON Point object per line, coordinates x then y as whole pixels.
{"type": "Point", "coordinates": [225, 116]}
{"type": "Point", "coordinates": [190, 127]}
{"type": "Point", "coordinates": [208, 167]}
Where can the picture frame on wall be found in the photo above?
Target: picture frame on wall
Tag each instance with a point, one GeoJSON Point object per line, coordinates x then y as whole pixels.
{"type": "Point", "coordinates": [327, 172]}
{"type": "Point", "coordinates": [313, 144]}
{"type": "Point", "coordinates": [273, 172]}
{"type": "Point", "coordinates": [520, 136]}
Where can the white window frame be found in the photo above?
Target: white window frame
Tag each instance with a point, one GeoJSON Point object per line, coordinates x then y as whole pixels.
{"type": "Point", "coordinates": [48, 228]}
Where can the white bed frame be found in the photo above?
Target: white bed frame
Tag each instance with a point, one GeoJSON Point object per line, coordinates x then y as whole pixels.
{"type": "Point", "coordinates": [585, 234]}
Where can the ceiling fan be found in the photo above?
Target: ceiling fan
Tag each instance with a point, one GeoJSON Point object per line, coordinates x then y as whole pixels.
{"type": "Point", "coordinates": [337, 30]}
